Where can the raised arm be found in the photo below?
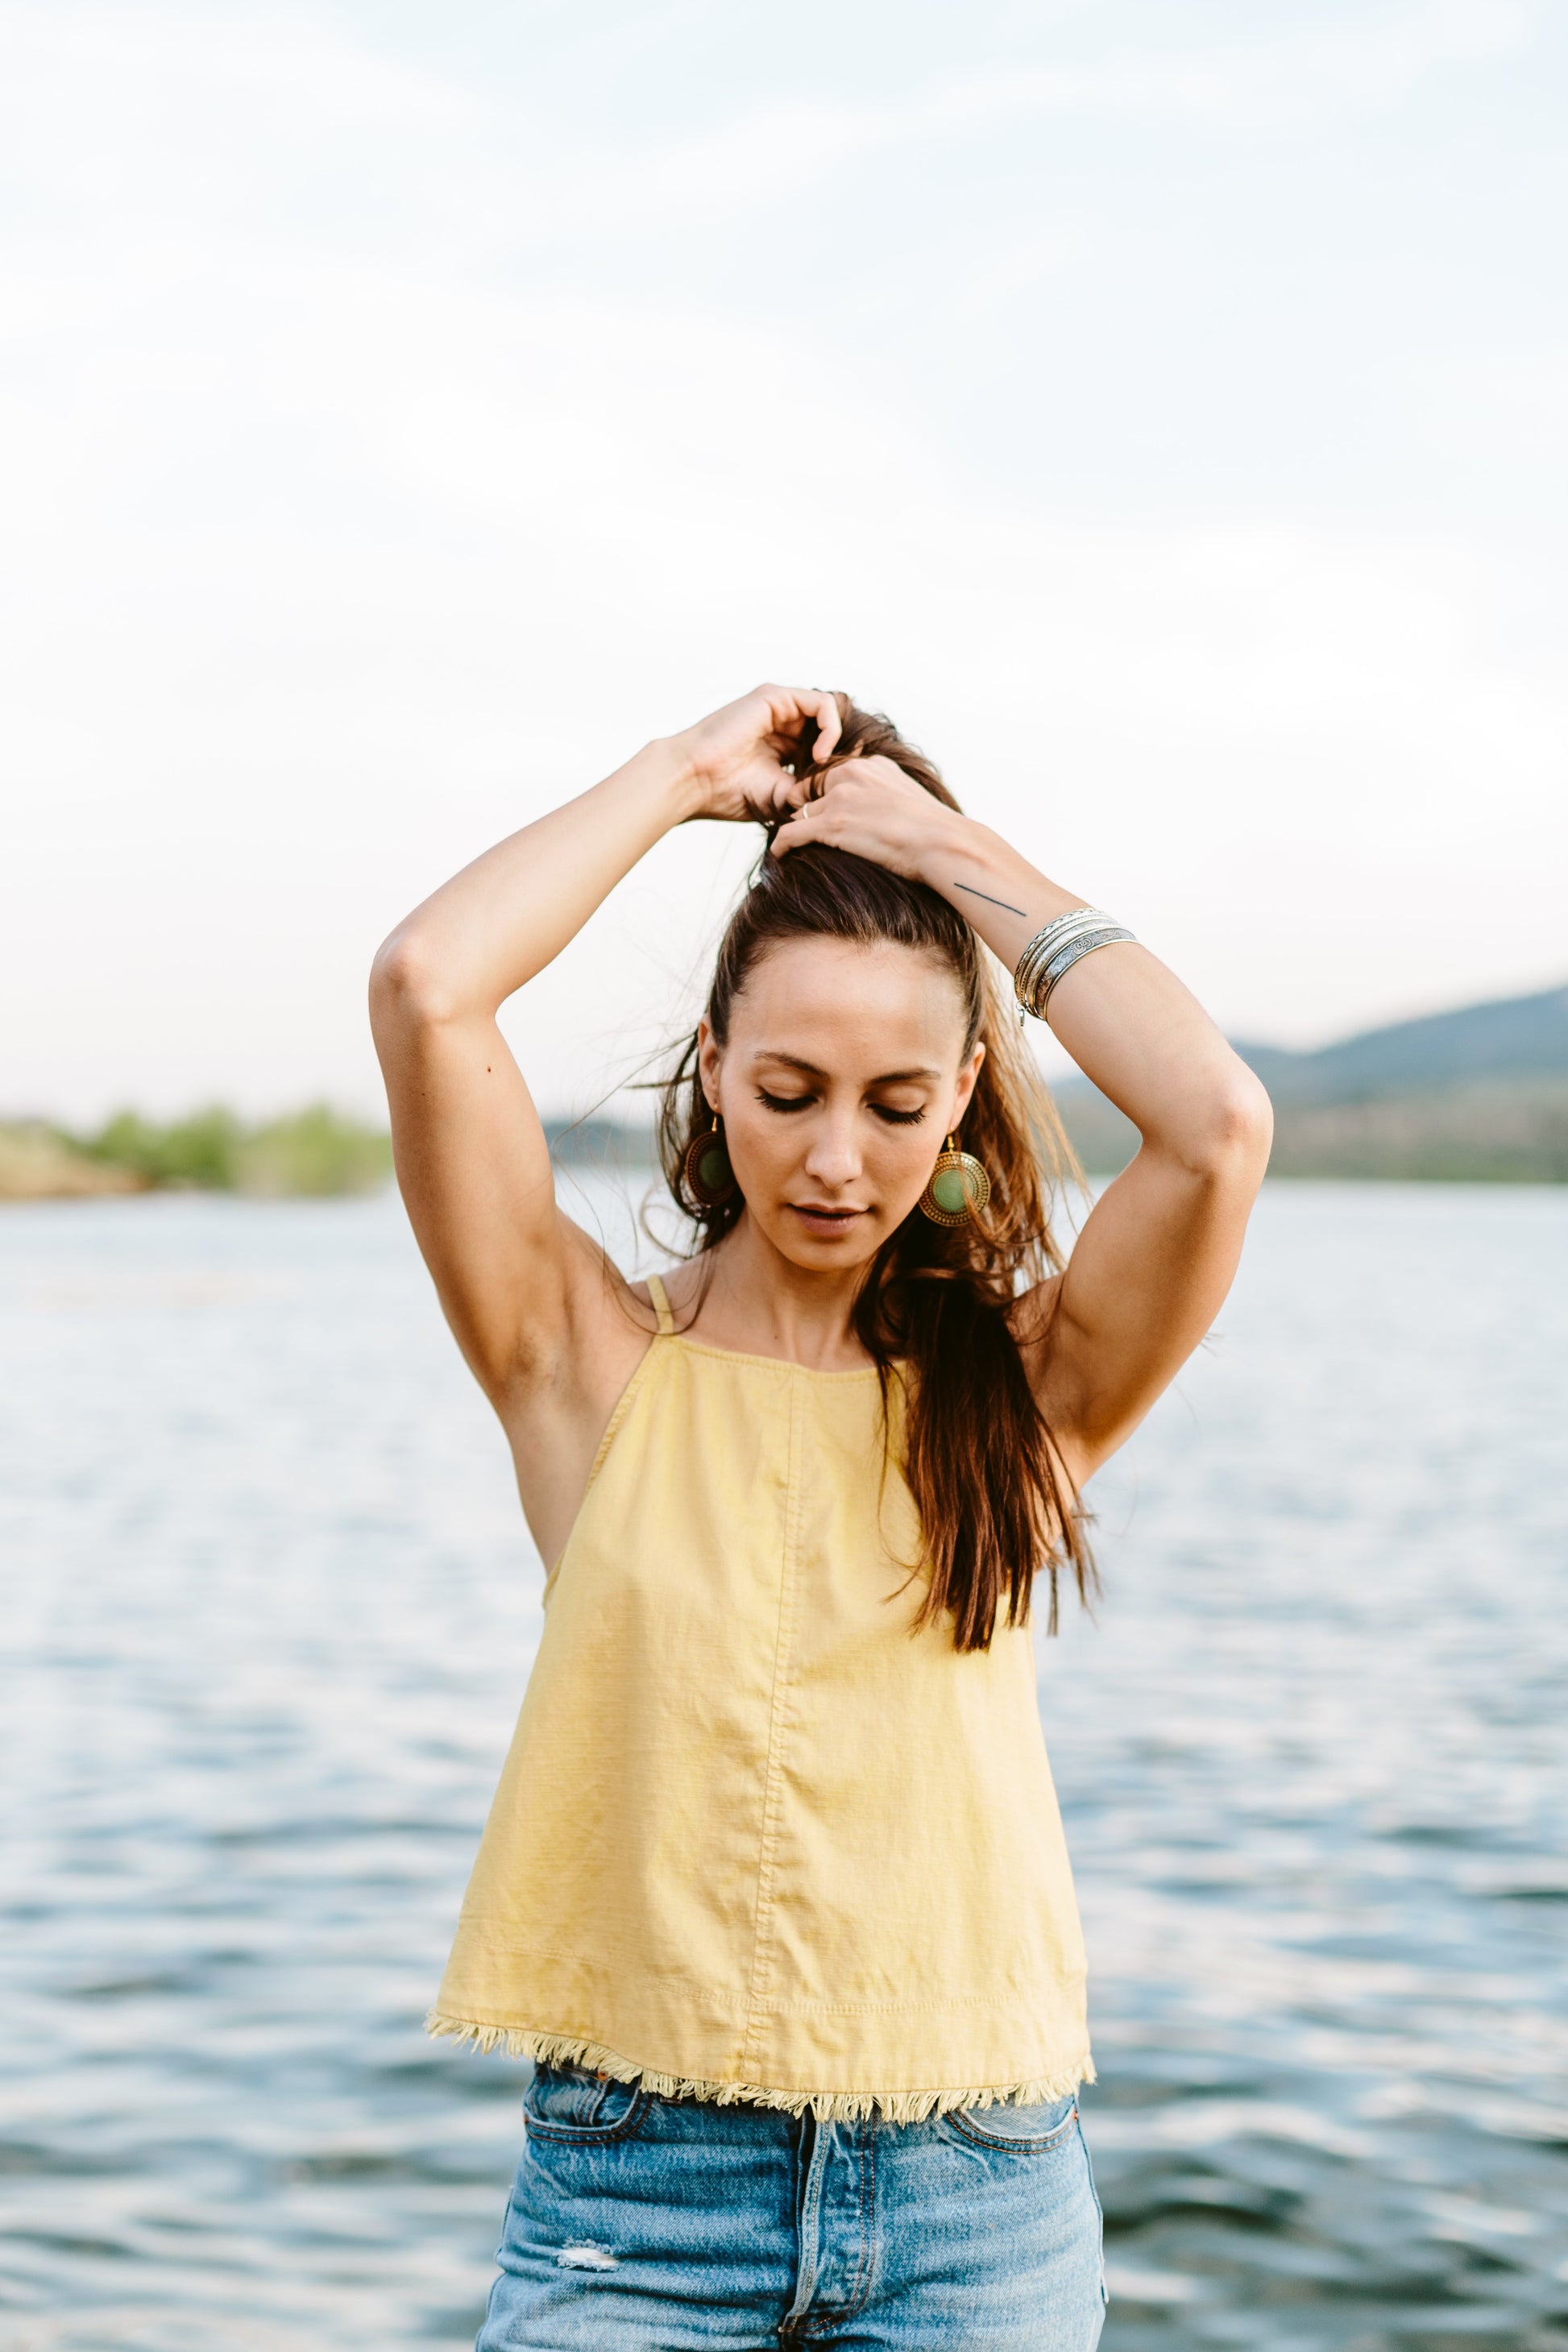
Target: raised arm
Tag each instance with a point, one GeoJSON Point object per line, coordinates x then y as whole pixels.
{"type": "Point", "coordinates": [1159, 1250]}
{"type": "Point", "coordinates": [522, 1287]}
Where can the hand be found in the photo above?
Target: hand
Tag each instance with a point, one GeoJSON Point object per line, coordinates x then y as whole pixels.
{"type": "Point", "coordinates": [871, 807]}
{"type": "Point", "coordinates": [736, 756]}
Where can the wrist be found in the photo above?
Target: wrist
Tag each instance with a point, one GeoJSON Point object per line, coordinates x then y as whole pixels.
{"type": "Point", "coordinates": [947, 836]}
{"type": "Point", "coordinates": [667, 765]}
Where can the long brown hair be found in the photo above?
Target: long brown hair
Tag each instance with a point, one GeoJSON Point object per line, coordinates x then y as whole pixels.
{"type": "Point", "coordinates": [996, 1506]}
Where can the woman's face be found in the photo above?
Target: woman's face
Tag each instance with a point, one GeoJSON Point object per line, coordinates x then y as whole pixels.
{"type": "Point", "coordinates": [844, 1074]}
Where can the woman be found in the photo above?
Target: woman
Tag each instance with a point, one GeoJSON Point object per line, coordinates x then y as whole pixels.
{"type": "Point", "coordinates": [773, 1889]}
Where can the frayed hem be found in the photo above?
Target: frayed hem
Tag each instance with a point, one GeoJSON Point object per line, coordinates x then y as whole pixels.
{"type": "Point", "coordinates": [826, 2106]}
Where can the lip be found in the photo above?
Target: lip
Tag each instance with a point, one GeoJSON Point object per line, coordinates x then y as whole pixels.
{"type": "Point", "coordinates": [821, 1219]}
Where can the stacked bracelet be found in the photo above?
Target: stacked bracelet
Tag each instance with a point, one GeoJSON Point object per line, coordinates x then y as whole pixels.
{"type": "Point", "coordinates": [1055, 950]}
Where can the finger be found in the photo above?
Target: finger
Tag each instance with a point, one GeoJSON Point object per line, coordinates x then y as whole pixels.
{"type": "Point", "coordinates": [829, 725]}
{"type": "Point", "coordinates": [804, 804]}
{"type": "Point", "coordinates": [794, 833]}
{"type": "Point", "coordinates": [845, 771]}
{"type": "Point", "coordinates": [791, 706]}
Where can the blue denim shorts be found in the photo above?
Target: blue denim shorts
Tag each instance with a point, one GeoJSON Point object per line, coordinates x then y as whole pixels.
{"type": "Point", "coordinates": [668, 2223]}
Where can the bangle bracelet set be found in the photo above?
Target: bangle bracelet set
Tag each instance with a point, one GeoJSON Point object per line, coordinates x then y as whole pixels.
{"type": "Point", "coordinates": [1053, 952]}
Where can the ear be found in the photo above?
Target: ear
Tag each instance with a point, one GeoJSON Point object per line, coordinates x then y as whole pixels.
{"type": "Point", "coordinates": [710, 1061]}
{"type": "Point", "coordinates": [968, 1072]}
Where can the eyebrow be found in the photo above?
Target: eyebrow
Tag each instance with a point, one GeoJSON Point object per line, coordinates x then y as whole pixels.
{"type": "Point", "coordinates": [812, 1070]}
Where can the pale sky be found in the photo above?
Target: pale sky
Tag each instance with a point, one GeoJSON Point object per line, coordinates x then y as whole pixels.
{"type": "Point", "coordinates": [407, 411]}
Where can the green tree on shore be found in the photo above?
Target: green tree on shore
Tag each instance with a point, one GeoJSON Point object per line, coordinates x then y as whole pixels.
{"type": "Point", "coordinates": [314, 1152]}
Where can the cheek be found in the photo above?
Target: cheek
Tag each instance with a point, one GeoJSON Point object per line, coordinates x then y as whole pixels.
{"type": "Point", "coordinates": [903, 1159]}
{"type": "Point", "coordinates": [760, 1139]}
{"type": "Point", "coordinates": [899, 1147]}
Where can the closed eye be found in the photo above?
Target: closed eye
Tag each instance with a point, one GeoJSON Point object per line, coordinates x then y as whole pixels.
{"type": "Point", "coordinates": [884, 1111]}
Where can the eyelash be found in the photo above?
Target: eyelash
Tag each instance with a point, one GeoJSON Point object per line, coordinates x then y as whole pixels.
{"type": "Point", "coordinates": [788, 1103]}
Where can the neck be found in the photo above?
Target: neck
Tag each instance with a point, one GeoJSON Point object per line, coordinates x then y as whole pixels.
{"type": "Point", "coordinates": [762, 1304]}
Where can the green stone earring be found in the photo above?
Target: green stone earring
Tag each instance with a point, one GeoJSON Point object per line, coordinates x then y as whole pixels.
{"type": "Point", "coordinates": [710, 1179]}
{"type": "Point", "coordinates": [958, 1188]}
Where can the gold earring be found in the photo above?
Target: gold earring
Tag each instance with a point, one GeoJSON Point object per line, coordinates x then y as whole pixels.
{"type": "Point", "coordinates": [957, 1188]}
{"type": "Point", "coordinates": [710, 1179]}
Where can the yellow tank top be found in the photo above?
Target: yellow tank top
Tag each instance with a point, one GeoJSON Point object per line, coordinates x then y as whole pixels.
{"type": "Point", "coordinates": [756, 1838]}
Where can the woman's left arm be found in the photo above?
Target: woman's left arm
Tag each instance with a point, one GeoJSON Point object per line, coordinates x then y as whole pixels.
{"type": "Point", "coordinates": [1158, 1251]}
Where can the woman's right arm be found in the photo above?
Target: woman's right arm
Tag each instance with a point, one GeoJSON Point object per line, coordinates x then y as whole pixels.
{"type": "Point", "coordinates": [522, 1287]}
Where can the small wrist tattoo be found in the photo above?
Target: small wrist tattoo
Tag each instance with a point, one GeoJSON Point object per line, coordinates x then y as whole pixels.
{"type": "Point", "coordinates": [990, 901]}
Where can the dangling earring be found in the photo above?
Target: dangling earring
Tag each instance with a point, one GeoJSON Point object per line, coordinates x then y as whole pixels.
{"type": "Point", "coordinates": [710, 1179]}
{"type": "Point", "coordinates": [957, 1188]}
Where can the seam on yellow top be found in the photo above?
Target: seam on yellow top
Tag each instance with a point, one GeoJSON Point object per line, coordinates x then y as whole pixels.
{"type": "Point", "coordinates": [773, 1363]}
{"type": "Point", "coordinates": [778, 1730]}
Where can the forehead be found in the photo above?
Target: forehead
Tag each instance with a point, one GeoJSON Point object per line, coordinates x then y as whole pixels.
{"type": "Point", "coordinates": [810, 998]}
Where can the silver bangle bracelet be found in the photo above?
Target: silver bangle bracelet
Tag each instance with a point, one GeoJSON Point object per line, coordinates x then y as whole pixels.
{"type": "Point", "coordinates": [1060, 960]}
{"type": "Point", "coordinates": [1053, 952]}
{"type": "Point", "coordinates": [1047, 942]}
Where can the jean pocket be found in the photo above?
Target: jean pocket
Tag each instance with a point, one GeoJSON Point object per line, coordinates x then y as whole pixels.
{"type": "Point", "coordinates": [573, 2103]}
{"type": "Point", "coordinates": [1027, 2131]}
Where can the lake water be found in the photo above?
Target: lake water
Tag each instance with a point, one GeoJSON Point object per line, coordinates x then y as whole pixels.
{"type": "Point", "coordinates": [268, 1612]}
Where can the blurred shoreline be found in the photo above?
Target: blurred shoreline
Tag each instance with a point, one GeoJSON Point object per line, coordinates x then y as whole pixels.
{"type": "Point", "coordinates": [316, 1153]}
{"type": "Point", "coordinates": [311, 1154]}
{"type": "Point", "coordinates": [1480, 1135]}
{"type": "Point", "coordinates": [1477, 1095]}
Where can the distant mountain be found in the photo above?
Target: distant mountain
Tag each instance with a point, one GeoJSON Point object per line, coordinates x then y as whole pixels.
{"type": "Point", "coordinates": [1513, 1038]}
{"type": "Point", "coordinates": [1477, 1094]}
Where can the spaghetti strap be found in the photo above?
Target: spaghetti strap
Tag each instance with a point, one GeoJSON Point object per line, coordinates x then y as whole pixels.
{"type": "Point", "coordinates": [661, 1307]}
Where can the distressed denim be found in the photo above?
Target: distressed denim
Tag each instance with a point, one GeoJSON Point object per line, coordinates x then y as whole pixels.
{"type": "Point", "coordinates": [668, 2223]}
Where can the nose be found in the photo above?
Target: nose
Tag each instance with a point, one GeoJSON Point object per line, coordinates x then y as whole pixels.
{"type": "Point", "coordinates": [833, 1157]}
